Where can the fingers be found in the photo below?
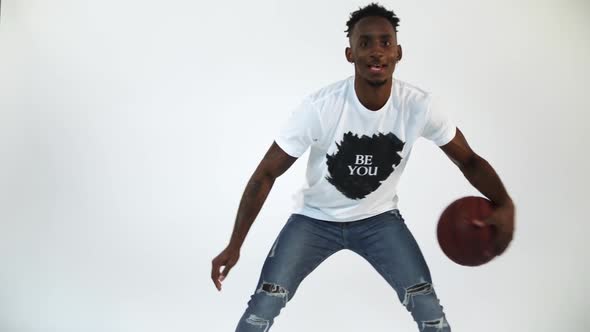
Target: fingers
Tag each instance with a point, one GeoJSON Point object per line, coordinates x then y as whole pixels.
{"type": "Point", "coordinates": [499, 242]}
{"type": "Point", "coordinates": [503, 239]}
{"type": "Point", "coordinates": [215, 273]}
{"type": "Point", "coordinates": [227, 259]}
{"type": "Point", "coordinates": [226, 270]}
{"type": "Point", "coordinates": [217, 263]}
{"type": "Point", "coordinates": [219, 277]}
{"type": "Point", "coordinates": [502, 222]}
{"type": "Point", "coordinates": [479, 223]}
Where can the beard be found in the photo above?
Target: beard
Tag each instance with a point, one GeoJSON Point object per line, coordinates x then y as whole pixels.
{"type": "Point", "coordinates": [377, 84]}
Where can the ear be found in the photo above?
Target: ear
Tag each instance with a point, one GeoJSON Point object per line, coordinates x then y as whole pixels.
{"type": "Point", "coordinates": [399, 52]}
{"type": "Point", "coordinates": [348, 54]}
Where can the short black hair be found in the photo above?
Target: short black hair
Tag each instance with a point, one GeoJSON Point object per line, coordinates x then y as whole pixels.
{"type": "Point", "coordinates": [372, 9]}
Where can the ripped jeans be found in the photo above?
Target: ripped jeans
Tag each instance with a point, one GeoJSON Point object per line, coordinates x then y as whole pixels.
{"type": "Point", "coordinates": [383, 240]}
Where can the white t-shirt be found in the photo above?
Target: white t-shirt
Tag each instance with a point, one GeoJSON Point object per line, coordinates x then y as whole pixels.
{"type": "Point", "coordinates": [357, 155]}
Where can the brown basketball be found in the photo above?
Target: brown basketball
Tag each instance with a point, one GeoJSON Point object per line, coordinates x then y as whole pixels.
{"type": "Point", "coordinates": [459, 238]}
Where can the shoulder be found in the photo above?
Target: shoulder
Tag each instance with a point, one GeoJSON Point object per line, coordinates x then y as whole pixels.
{"type": "Point", "coordinates": [329, 94]}
{"type": "Point", "coordinates": [411, 95]}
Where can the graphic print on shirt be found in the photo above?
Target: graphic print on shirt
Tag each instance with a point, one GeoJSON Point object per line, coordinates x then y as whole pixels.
{"type": "Point", "coordinates": [361, 163]}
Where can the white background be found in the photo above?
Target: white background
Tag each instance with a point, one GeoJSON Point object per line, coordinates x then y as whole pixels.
{"type": "Point", "coordinates": [129, 128]}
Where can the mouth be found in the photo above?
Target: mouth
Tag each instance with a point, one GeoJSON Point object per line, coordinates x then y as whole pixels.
{"type": "Point", "coordinates": [377, 68]}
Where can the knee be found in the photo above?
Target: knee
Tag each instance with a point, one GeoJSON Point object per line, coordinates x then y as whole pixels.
{"type": "Point", "coordinates": [435, 325]}
{"type": "Point", "coordinates": [421, 300]}
{"type": "Point", "coordinates": [418, 292]}
{"type": "Point", "coordinates": [273, 290]}
{"type": "Point", "coordinates": [268, 300]}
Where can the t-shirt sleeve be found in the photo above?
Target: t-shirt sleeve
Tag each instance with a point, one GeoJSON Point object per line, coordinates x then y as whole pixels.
{"type": "Point", "coordinates": [301, 129]}
{"type": "Point", "coordinates": [438, 127]}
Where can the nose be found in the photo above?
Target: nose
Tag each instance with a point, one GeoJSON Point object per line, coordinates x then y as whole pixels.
{"type": "Point", "coordinates": [376, 52]}
{"type": "Point", "coordinates": [376, 55]}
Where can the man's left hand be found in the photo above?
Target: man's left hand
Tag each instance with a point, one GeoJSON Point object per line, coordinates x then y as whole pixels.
{"type": "Point", "coordinates": [502, 219]}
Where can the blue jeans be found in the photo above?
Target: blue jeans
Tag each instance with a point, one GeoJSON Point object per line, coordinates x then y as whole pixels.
{"type": "Point", "coordinates": [383, 240]}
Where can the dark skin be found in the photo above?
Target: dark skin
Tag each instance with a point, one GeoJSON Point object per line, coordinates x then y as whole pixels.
{"type": "Point", "coordinates": [374, 51]}
{"type": "Point", "coordinates": [275, 162]}
{"type": "Point", "coordinates": [373, 41]}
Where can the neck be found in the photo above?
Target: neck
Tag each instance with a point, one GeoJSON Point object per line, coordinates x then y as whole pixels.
{"type": "Point", "coordinates": [372, 96]}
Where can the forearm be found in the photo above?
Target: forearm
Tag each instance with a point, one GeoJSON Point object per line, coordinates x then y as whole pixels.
{"type": "Point", "coordinates": [485, 179]}
{"type": "Point", "coordinates": [253, 198]}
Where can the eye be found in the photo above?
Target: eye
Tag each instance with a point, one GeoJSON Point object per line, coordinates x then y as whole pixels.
{"type": "Point", "coordinates": [386, 43]}
{"type": "Point", "coordinates": [363, 43]}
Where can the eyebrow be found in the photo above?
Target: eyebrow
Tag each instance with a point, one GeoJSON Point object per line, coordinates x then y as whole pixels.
{"type": "Point", "coordinates": [386, 35]}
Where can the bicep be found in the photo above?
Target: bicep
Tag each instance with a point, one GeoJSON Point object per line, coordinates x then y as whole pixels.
{"type": "Point", "coordinates": [275, 162]}
{"type": "Point", "coordinates": [459, 151]}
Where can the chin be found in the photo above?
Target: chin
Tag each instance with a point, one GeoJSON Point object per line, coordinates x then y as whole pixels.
{"type": "Point", "coordinates": [377, 82]}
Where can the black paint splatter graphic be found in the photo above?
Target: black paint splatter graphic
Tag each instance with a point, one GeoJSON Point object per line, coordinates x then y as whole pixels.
{"type": "Point", "coordinates": [362, 163]}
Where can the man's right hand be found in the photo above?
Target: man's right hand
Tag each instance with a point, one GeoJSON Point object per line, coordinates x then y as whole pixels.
{"type": "Point", "coordinates": [227, 258]}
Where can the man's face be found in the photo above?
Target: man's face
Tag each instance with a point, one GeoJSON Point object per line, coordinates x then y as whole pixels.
{"type": "Point", "coordinates": [374, 50]}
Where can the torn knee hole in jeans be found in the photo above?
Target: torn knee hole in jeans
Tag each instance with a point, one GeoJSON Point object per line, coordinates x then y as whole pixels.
{"type": "Point", "coordinates": [422, 288]}
{"type": "Point", "coordinates": [273, 290]}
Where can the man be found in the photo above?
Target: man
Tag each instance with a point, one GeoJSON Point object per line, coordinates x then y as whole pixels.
{"type": "Point", "coordinates": [360, 132]}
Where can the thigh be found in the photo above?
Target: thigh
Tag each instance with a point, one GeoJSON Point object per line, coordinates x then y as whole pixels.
{"type": "Point", "coordinates": [387, 243]}
{"type": "Point", "coordinates": [300, 247]}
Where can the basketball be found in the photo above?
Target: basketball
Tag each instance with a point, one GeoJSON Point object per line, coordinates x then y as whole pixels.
{"type": "Point", "coordinates": [460, 238]}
